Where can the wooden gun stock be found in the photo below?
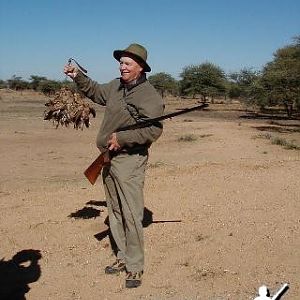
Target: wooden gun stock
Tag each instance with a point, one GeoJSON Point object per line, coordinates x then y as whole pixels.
{"type": "Point", "coordinates": [94, 170]}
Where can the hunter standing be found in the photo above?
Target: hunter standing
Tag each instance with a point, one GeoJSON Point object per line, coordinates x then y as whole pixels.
{"type": "Point", "coordinates": [128, 100]}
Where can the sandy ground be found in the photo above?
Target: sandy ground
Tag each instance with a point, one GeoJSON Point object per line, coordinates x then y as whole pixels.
{"type": "Point", "coordinates": [222, 208]}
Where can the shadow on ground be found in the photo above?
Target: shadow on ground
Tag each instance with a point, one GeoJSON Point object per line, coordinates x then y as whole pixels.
{"type": "Point", "coordinates": [279, 129]}
{"type": "Point", "coordinates": [17, 273]}
{"type": "Point", "coordinates": [89, 212]}
{"type": "Point", "coordinates": [262, 116]}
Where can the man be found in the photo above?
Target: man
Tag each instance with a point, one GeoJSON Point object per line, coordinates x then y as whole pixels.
{"type": "Point", "coordinates": [128, 100]}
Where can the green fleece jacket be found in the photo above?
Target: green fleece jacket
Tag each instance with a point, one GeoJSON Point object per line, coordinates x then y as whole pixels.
{"type": "Point", "coordinates": [124, 106]}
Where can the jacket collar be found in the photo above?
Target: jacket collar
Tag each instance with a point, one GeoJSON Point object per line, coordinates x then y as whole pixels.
{"type": "Point", "coordinates": [131, 85]}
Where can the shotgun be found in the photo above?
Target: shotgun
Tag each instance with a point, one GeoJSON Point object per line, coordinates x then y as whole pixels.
{"type": "Point", "coordinates": [94, 170]}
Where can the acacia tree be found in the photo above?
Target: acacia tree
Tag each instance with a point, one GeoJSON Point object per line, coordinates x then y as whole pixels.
{"type": "Point", "coordinates": [164, 83]}
{"type": "Point", "coordinates": [35, 81]}
{"type": "Point", "coordinates": [281, 77]}
{"type": "Point", "coordinates": [49, 87]}
{"type": "Point", "coordinates": [3, 84]}
{"type": "Point", "coordinates": [232, 89]}
{"type": "Point", "coordinates": [17, 83]}
{"type": "Point", "coordinates": [246, 85]}
{"type": "Point", "coordinates": [206, 80]}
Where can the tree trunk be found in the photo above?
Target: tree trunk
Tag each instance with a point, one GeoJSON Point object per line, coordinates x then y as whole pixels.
{"type": "Point", "coordinates": [289, 109]}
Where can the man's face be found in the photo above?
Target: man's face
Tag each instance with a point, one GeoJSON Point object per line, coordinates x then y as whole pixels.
{"type": "Point", "coordinates": [130, 70]}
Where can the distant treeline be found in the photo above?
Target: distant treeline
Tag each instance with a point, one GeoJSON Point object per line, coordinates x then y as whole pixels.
{"type": "Point", "coordinates": [36, 83]}
{"type": "Point", "coordinates": [278, 83]}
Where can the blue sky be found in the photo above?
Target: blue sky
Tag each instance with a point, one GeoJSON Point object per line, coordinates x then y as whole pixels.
{"type": "Point", "coordinates": [37, 37]}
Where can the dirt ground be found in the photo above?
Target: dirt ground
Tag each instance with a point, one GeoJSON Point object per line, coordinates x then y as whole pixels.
{"type": "Point", "coordinates": [222, 210]}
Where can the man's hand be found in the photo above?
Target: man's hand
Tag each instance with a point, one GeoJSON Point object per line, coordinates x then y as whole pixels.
{"type": "Point", "coordinates": [71, 71]}
{"type": "Point", "coordinates": [113, 144]}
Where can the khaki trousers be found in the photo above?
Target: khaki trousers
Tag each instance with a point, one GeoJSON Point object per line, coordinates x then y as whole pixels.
{"type": "Point", "coordinates": [123, 182]}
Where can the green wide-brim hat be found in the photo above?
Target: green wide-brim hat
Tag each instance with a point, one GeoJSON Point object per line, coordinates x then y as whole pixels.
{"type": "Point", "coordinates": [137, 52]}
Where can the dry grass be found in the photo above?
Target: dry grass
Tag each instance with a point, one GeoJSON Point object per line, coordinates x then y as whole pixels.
{"type": "Point", "coordinates": [187, 138]}
{"type": "Point", "coordinates": [281, 141]}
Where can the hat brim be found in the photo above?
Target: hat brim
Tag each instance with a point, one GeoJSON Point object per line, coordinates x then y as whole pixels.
{"type": "Point", "coordinates": [119, 53]}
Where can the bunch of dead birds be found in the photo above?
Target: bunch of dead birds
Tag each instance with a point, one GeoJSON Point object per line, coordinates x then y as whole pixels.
{"type": "Point", "coordinates": [69, 107]}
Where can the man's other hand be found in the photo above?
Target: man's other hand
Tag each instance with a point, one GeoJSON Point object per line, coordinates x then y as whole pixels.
{"type": "Point", "coordinates": [113, 144]}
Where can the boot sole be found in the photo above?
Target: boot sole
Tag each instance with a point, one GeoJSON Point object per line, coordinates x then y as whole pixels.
{"type": "Point", "coordinates": [133, 283]}
{"type": "Point", "coordinates": [112, 271]}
